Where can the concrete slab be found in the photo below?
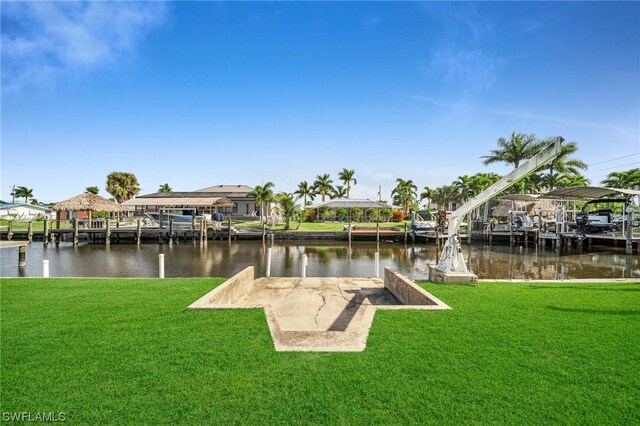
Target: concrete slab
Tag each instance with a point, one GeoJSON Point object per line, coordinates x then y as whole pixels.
{"type": "Point", "coordinates": [437, 276]}
{"type": "Point", "coordinates": [315, 313]}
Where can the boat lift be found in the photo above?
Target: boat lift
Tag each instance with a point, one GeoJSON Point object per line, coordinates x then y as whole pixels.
{"type": "Point", "coordinates": [452, 266]}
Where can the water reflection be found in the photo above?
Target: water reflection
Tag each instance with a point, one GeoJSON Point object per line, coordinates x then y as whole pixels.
{"type": "Point", "coordinates": [222, 258]}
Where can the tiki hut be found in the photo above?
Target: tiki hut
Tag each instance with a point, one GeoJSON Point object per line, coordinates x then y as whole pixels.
{"type": "Point", "coordinates": [528, 204]}
{"type": "Point", "coordinates": [81, 206]}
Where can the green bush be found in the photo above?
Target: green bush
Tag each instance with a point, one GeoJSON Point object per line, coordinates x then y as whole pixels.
{"type": "Point", "coordinates": [356, 214]}
{"type": "Point", "coordinates": [372, 214]}
{"type": "Point", "coordinates": [341, 213]}
{"type": "Point", "coordinates": [386, 214]}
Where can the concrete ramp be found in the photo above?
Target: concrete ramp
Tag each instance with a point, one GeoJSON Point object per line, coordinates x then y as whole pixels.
{"type": "Point", "coordinates": [318, 313]}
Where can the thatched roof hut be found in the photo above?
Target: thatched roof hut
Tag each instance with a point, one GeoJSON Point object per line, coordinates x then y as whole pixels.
{"type": "Point", "coordinates": [87, 202]}
{"type": "Point", "coordinates": [529, 207]}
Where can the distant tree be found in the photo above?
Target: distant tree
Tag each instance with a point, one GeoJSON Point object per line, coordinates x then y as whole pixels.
{"type": "Point", "coordinates": [287, 208]}
{"type": "Point", "coordinates": [24, 192]}
{"type": "Point", "coordinates": [92, 190]}
{"type": "Point", "coordinates": [165, 188]}
{"type": "Point", "coordinates": [346, 176]}
{"type": "Point", "coordinates": [444, 195]}
{"type": "Point", "coordinates": [427, 194]}
{"type": "Point", "coordinates": [629, 179]}
{"type": "Point", "coordinates": [341, 213]}
{"type": "Point", "coordinates": [464, 186]}
{"type": "Point", "coordinates": [305, 191]}
{"type": "Point", "coordinates": [386, 214]}
{"type": "Point", "coordinates": [372, 214]}
{"type": "Point", "coordinates": [322, 185]}
{"type": "Point", "coordinates": [518, 148]}
{"type": "Point", "coordinates": [263, 195]}
{"type": "Point", "coordinates": [339, 192]}
{"type": "Point", "coordinates": [404, 194]}
{"type": "Point", "coordinates": [356, 214]}
{"type": "Point", "coordinates": [34, 202]}
{"type": "Point", "coordinates": [573, 179]}
{"type": "Point", "coordinates": [122, 185]}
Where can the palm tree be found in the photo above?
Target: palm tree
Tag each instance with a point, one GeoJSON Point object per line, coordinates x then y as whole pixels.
{"type": "Point", "coordinates": [305, 190]}
{"type": "Point", "coordinates": [122, 185]}
{"type": "Point", "coordinates": [92, 190]}
{"type": "Point", "coordinates": [346, 175]}
{"type": "Point", "coordinates": [165, 188]}
{"type": "Point", "coordinates": [444, 195]}
{"type": "Point", "coordinates": [481, 181]}
{"type": "Point", "coordinates": [287, 208]}
{"type": "Point", "coordinates": [263, 195]}
{"type": "Point", "coordinates": [405, 194]}
{"type": "Point", "coordinates": [628, 179]}
{"type": "Point", "coordinates": [340, 192]}
{"type": "Point", "coordinates": [464, 185]}
{"type": "Point", "coordinates": [24, 192]}
{"type": "Point", "coordinates": [562, 163]}
{"type": "Point", "coordinates": [574, 179]}
{"type": "Point", "coordinates": [427, 193]}
{"type": "Point", "coordinates": [517, 149]}
{"type": "Point", "coordinates": [34, 202]}
{"type": "Point", "coordinates": [322, 185]}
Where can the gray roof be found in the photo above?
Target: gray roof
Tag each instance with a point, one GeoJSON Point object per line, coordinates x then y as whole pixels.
{"type": "Point", "coordinates": [587, 193]}
{"type": "Point", "coordinates": [352, 204]}
{"type": "Point", "coordinates": [234, 191]}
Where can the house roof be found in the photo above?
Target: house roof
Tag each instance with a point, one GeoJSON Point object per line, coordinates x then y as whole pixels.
{"type": "Point", "coordinates": [169, 199]}
{"type": "Point", "coordinates": [587, 193]}
{"type": "Point", "coordinates": [352, 204]}
{"type": "Point", "coordinates": [31, 206]}
{"type": "Point", "coordinates": [234, 191]}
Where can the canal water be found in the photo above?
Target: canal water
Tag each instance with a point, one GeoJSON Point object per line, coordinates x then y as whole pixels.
{"type": "Point", "coordinates": [223, 259]}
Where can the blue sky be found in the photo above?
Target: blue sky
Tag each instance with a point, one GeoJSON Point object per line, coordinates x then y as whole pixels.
{"type": "Point", "coordinates": [197, 94]}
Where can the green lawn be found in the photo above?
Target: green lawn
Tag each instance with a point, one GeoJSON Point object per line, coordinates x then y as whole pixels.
{"type": "Point", "coordinates": [125, 351]}
{"type": "Point", "coordinates": [318, 226]}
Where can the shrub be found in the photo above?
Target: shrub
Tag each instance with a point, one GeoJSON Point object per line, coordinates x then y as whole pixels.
{"type": "Point", "coordinates": [372, 214]}
{"type": "Point", "coordinates": [398, 215]}
{"type": "Point", "coordinates": [386, 214]}
{"type": "Point", "coordinates": [329, 215]}
{"type": "Point", "coordinates": [302, 215]}
{"type": "Point", "coordinates": [341, 213]}
{"type": "Point", "coordinates": [322, 212]}
{"type": "Point", "coordinates": [356, 214]}
{"type": "Point", "coordinates": [312, 216]}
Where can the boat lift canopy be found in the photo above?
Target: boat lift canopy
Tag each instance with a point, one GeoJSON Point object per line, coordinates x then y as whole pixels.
{"type": "Point", "coordinates": [589, 193]}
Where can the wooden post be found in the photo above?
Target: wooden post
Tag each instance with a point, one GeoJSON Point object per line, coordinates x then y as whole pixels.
{"type": "Point", "coordinates": [45, 235]}
{"type": "Point", "coordinates": [349, 232]}
{"type": "Point", "coordinates": [30, 231]}
{"type": "Point", "coordinates": [90, 219]}
{"type": "Point", "coordinates": [264, 230]}
{"type": "Point", "coordinates": [170, 231]}
{"type": "Point", "coordinates": [75, 231]}
{"type": "Point", "coordinates": [229, 228]}
{"type": "Point", "coordinates": [22, 254]}
{"type": "Point", "coordinates": [405, 232]}
{"type": "Point", "coordinates": [377, 231]}
{"type": "Point", "coordinates": [107, 235]}
{"type": "Point", "coordinates": [10, 230]}
{"type": "Point", "coordinates": [193, 227]}
{"type": "Point", "coordinates": [139, 232]}
{"type": "Point", "coordinates": [203, 230]}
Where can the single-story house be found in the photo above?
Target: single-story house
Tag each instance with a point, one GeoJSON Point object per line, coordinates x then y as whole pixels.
{"type": "Point", "coordinates": [24, 211]}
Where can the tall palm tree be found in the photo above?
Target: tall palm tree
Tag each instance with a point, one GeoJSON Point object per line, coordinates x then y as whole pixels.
{"type": "Point", "coordinates": [287, 208]}
{"type": "Point", "coordinates": [518, 148]}
{"type": "Point", "coordinates": [340, 192]}
{"type": "Point", "coordinates": [24, 192]}
{"type": "Point", "coordinates": [322, 185]}
{"type": "Point", "coordinates": [405, 194]}
{"type": "Point", "coordinates": [122, 185]}
{"type": "Point", "coordinates": [563, 163]}
{"type": "Point", "coordinates": [92, 190]}
{"type": "Point", "coordinates": [165, 187]}
{"type": "Point", "coordinates": [263, 195]}
{"type": "Point", "coordinates": [427, 194]}
{"type": "Point", "coordinates": [628, 179]}
{"type": "Point", "coordinates": [305, 190]}
{"type": "Point", "coordinates": [465, 188]}
{"type": "Point", "coordinates": [346, 175]}
{"type": "Point", "coordinates": [444, 195]}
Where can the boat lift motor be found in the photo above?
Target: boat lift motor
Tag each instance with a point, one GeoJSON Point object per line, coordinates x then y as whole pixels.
{"type": "Point", "coordinates": [452, 266]}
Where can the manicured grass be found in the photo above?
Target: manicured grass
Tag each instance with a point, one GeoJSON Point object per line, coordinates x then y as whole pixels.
{"type": "Point", "coordinates": [318, 226]}
{"type": "Point", "coordinates": [21, 225]}
{"type": "Point", "coordinates": [116, 351]}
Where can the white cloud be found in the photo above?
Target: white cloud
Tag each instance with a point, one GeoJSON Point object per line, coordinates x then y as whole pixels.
{"type": "Point", "coordinates": [42, 41]}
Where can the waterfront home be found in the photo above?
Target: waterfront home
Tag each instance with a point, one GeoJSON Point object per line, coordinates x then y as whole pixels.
{"type": "Point", "coordinates": [24, 211]}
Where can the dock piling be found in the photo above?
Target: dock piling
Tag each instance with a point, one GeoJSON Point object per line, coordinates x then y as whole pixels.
{"type": "Point", "coordinates": [171, 231]}
{"type": "Point", "coordinates": [139, 231]}
{"type": "Point", "coordinates": [75, 231]}
{"type": "Point", "coordinates": [269, 261]}
{"type": "Point", "coordinates": [377, 266]}
{"type": "Point", "coordinates": [30, 231]}
{"type": "Point", "coordinates": [45, 235]}
{"type": "Point", "coordinates": [22, 254]}
{"type": "Point", "coordinates": [107, 234]}
{"type": "Point", "coordinates": [45, 269]}
{"type": "Point", "coordinates": [161, 265]}
{"type": "Point", "coordinates": [10, 230]}
{"type": "Point", "coordinates": [305, 261]}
